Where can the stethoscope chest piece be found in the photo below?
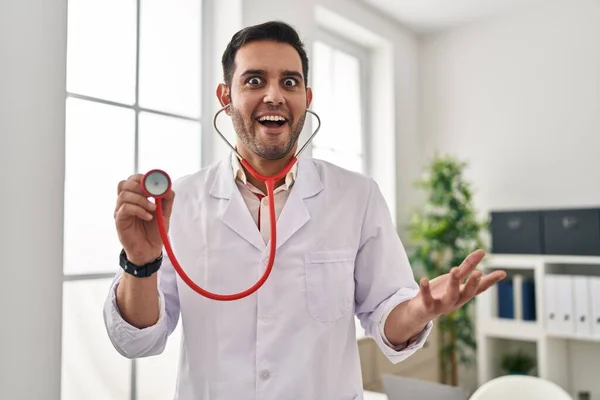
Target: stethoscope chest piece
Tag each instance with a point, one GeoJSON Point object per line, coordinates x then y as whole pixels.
{"type": "Point", "coordinates": [156, 183]}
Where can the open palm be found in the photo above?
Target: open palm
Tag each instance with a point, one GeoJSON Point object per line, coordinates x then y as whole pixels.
{"type": "Point", "coordinates": [450, 291]}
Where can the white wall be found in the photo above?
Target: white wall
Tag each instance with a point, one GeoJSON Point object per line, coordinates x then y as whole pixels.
{"type": "Point", "coordinates": [32, 102]}
{"type": "Point", "coordinates": [519, 99]}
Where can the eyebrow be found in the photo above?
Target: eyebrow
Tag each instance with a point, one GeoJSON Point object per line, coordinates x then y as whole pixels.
{"type": "Point", "coordinates": [262, 72]}
{"type": "Point", "coordinates": [253, 72]}
{"type": "Point", "coordinates": [293, 73]}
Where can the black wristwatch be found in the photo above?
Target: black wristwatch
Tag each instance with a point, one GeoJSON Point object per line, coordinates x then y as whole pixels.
{"type": "Point", "coordinates": [139, 271]}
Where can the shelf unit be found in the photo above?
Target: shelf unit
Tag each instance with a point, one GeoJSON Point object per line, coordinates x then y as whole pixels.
{"type": "Point", "coordinates": [569, 359]}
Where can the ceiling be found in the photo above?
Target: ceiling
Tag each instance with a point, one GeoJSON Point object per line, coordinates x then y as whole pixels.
{"type": "Point", "coordinates": [427, 16]}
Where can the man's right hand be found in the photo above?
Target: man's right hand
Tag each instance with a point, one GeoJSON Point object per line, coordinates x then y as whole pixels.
{"type": "Point", "coordinates": [136, 223]}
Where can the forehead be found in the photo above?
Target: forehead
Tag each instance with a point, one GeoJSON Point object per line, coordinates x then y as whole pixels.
{"type": "Point", "coordinates": [270, 56]}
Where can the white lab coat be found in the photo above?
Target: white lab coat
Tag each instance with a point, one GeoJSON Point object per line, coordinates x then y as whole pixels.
{"type": "Point", "coordinates": [338, 255]}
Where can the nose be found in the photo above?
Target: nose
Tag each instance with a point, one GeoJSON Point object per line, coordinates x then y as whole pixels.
{"type": "Point", "coordinates": [274, 95]}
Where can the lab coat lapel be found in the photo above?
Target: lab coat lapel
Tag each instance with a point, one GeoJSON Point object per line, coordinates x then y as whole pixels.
{"type": "Point", "coordinates": [235, 213]}
{"type": "Point", "coordinates": [295, 213]}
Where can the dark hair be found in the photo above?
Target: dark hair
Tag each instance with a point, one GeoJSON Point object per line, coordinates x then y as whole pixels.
{"type": "Point", "coordinates": [274, 30]}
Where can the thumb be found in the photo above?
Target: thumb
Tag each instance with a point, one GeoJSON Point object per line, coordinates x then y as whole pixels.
{"type": "Point", "coordinates": [167, 204]}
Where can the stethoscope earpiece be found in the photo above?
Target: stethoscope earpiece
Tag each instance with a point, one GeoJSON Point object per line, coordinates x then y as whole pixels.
{"type": "Point", "coordinates": [240, 156]}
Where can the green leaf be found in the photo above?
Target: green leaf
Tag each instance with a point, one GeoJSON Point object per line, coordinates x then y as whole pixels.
{"type": "Point", "coordinates": [444, 230]}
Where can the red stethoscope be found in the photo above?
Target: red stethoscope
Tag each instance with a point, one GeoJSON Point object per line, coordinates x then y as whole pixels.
{"type": "Point", "coordinates": [157, 183]}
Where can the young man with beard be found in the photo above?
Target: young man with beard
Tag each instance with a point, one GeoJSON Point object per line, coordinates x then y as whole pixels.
{"type": "Point", "coordinates": [338, 254]}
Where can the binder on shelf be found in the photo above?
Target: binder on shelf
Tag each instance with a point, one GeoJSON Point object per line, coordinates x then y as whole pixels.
{"type": "Point", "coordinates": [595, 309]}
{"type": "Point", "coordinates": [506, 307]}
{"type": "Point", "coordinates": [518, 296]}
{"type": "Point", "coordinates": [528, 300]}
{"type": "Point", "coordinates": [550, 298]}
{"type": "Point", "coordinates": [564, 303]}
{"type": "Point", "coordinates": [582, 305]}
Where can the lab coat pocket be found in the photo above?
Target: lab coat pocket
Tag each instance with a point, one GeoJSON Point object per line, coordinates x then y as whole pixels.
{"type": "Point", "coordinates": [329, 283]}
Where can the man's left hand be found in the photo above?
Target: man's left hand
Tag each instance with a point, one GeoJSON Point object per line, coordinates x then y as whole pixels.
{"type": "Point", "coordinates": [449, 292]}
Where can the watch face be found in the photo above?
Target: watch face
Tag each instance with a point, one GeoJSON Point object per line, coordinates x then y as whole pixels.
{"type": "Point", "coordinates": [157, 183]}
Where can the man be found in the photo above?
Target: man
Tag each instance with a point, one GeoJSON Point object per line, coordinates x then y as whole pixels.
{"type": "Point", "coordinates": [338, 254]}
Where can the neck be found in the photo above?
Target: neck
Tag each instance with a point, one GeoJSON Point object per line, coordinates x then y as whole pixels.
{"type": "Point", "coordinates": [264, 167]}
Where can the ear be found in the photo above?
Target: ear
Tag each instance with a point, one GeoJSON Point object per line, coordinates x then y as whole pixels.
{"type": "Point", "coordinates": [224, 95]}
{"type": "Point", "coordinates": [308, 97]}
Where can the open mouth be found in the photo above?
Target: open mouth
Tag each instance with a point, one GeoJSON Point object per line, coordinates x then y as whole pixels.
{"type": "Point", "coordinates": [272, 121]}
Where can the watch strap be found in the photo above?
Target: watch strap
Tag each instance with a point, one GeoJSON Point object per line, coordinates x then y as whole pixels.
{"type": "Point", "coordinates": [139, 271]}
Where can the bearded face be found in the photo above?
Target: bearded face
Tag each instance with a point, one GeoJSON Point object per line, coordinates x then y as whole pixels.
{"type": "Point", "coordinates": [268, 99]}
{"type": "Point", "coordinates": [270, 132]}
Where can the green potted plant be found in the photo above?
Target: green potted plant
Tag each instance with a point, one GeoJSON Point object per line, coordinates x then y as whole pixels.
{"type": "Point", "coordinates": [517, 363]}
{"type": "Point", "coordinates": [443, 231]}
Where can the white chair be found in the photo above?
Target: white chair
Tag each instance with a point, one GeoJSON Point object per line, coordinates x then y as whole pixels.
{"type": "Point", "coordinates": [520, 387]}
{"type": "Point", "coordinates": [368, 395]}
{"type": "Point", "coordinates": [405, 388]}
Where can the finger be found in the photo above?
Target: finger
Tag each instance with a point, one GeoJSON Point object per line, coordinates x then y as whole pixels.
{"type": "Point", "coordinates": [489, 280]}
{"type": "Point", "coordinates": [167, 204]}
{"type": "Point", "coordinates": [135, 198]}
{"type": "Point", "coordinates": [129, 210]}
{"type": "Point", "coordinates": [453, 287]}
{"type": "Point", "coordinates": [469, 264]}
{"type": "Point", "coordinates": [131, 185]}
{"type": "Point", "coordinates": [120, 186]}
{"type": "Point", "coordinates": [470, 288]}
{"type": "Point", "coordinates": [428, 300]}
{"type": "Point", "coordinates": [136, 178]}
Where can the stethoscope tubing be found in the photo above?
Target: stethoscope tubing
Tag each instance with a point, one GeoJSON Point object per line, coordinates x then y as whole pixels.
{"type": "Point", "coordinates": [270, 184]}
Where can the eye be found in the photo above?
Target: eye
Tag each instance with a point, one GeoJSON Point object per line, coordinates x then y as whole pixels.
{"type": "Point", "coordinates": [255, 81]}
{"type": "Point", "coordinates": [290, 82]}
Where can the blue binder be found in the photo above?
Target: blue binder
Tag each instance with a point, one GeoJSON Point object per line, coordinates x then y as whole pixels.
{"type": "Point", "coordinates": [528, 305]}
{"type": "Point", "coordinates": [506, 299]}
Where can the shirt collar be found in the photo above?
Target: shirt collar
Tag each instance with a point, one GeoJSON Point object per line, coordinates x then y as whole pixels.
{"type": "Point", "coordinates": [240, 174]}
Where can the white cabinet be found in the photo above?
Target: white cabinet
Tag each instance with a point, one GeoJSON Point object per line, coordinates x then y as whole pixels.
{"type": "Point", "coordinates": [565, 335]}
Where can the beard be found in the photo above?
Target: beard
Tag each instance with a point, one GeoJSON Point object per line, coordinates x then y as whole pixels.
{"type": "Point", "coordinates": [246, 130]}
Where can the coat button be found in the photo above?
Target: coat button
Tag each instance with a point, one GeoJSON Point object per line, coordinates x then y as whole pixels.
{"type": "Point", "coordinates": [264, 375]}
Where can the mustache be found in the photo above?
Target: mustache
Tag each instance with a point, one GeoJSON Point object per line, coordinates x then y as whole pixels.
{"type": "Point", "coordinates": [276, 109]}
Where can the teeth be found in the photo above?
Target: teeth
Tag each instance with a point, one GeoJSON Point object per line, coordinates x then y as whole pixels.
{"type": "Point", "coordinates": [274, 118]}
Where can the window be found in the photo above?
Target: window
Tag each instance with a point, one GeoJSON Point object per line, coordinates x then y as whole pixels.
{"type": "Point", "coordinates": [340, 97]}
{"type": "Point", "coordinates": [133, 104]}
